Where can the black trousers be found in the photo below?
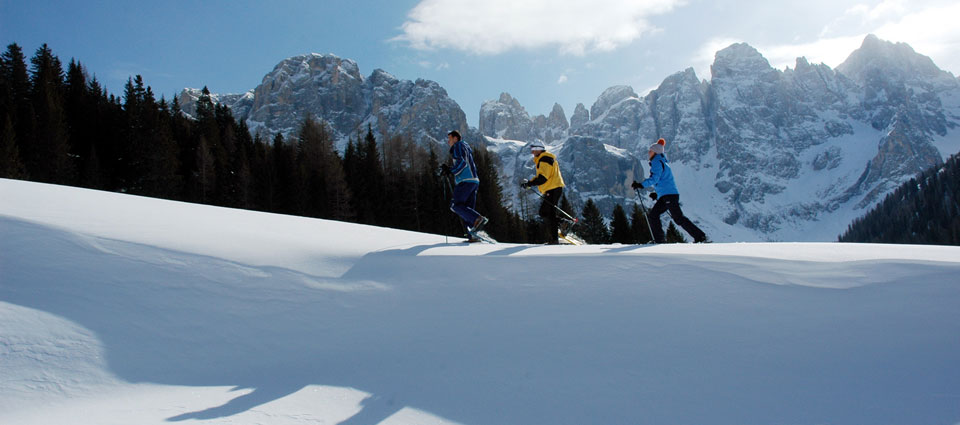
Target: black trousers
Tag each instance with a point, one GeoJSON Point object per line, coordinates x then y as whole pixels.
{"type": "Point", "coordinates": [549, 213]}
{"type": "Point", "coordinates": [672, 203]}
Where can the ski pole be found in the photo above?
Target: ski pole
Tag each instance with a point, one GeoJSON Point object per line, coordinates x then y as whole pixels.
{"type": "Point", "coordinates": [574, 220]}
{"type": "Point", "coordinates": [646, 214]}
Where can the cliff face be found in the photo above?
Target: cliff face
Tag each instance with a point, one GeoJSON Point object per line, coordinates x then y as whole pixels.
{"type": "Point", "coordinates": [332, 89]}
{"type": "Point", "coordinates": [758, 153]}
{"type": "Point", "coordinates": [777, 153]}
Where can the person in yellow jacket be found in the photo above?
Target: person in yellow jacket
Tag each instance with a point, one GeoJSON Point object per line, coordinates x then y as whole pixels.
{"type": "Point", "coordinates": [550, 183]}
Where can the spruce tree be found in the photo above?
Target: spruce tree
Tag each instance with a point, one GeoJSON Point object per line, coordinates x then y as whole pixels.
{"type": "Point", "coordinates": [434, 202]}
{"type": "Point", "coordinates": [48, 155]}
{"type": "Point", "coordinates": [490, 197]}
{"type": "Point", "coordinates": [163, 162]}
{"type": "Point", "coordinates": [263, 176]}
{"type": "Point", "coordinates": [11, 166]}
{"type": "Point", "coordinates": [287, 187]}
{"type": "Point", "coordinates": [16, 100]}
{"type": "Point", "coordinates": [620, 227]}
{"type": "Point", "coordinates": [370, 192]}
{"type": "Point", "coordinates": [673, 235]}
{"type": "Point", "coordinates": [81, 120]}
{"type": "Point", "coordinates": [592, 228]}
{"type": "Point", "coordinates": [638, 226]}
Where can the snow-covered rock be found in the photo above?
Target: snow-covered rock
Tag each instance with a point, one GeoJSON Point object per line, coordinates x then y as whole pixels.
{"type": "Point", "coordinates": [785, 155]}
{"type": "Point", "coordinates": [331, 89]}
{"type": "Point", "coordinates": [759, 153]}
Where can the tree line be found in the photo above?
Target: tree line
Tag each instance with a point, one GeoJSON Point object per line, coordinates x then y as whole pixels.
{"type": "Point", "coordinates": [63, 127]}
{"type": "Point", "coordinates": [924, 210]}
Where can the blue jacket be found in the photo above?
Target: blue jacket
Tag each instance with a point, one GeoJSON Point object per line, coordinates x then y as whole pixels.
{"type": "Point", "coordinates": [661, 178]}
{"type": "Point", "coordinates": [463, 169]}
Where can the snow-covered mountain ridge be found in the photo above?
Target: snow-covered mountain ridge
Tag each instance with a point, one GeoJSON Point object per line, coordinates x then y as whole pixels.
{"type": "Point", "coordinates": [769, 154]}
{"type": "Point", "coordinates": [117, 309]}
{"type": "Point", "coordinates": [759, 153]}
{"type": "Point", "coordinates": [332, 89]}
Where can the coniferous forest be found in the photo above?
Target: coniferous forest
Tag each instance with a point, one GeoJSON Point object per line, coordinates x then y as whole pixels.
{"type": "Point", "coordinates": [924, 210]}
{"type": "Point", "coordinates": [63, 127]}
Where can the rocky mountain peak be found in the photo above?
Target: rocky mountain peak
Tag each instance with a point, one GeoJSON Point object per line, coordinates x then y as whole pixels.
{"type": "Point", "coordinates": [581, 115]}
{"type": "Point", "coordinates": [739, 60]}
{"type": "Point", "coordinates": [610, 97]}
{"type": "Point", "coordinates": [878, 59]}
{"type": "Point", "coordinates": [380, 77]}
{"type": "Point", "coordinates": [506, 99]}
{"type": "Point", "coordinates": [558, 118]}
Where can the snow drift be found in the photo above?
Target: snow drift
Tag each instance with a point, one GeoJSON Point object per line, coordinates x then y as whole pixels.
{"type": "Point", "coordinates": [116, 309]}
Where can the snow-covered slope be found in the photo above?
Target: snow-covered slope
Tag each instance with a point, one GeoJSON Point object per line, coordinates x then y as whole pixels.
{"type": "Point", "coordinates": [117, 309]}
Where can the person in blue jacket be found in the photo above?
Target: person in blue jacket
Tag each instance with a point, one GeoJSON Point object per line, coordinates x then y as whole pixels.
{"type": "Point", "coordinates": [666, 194]}
{"type": "Point", "coordinates": [466, 181]}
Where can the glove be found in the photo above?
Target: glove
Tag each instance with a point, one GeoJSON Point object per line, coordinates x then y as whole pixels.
{"type": "Point", "coordinates": [525, 184]}
{"type": "Point", "coordinates": [653, 195]}
{"type": "Point", "coordinates": [445, 169]}
{"type": "Point", "coordinates": [636, 185]}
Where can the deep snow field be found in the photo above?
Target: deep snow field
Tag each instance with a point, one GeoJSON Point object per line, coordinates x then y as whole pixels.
{"type": "Point", "coordinates": [116, 309]}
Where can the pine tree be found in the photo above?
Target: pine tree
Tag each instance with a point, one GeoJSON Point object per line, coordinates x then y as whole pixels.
{"type": "Point", "coordinates": [326, 192]}
{"type": "Point", "coordinates": [263, 176]}
{"type": "Point", "coordinates": [401, 159]}
{"type": "Point", "coordinates": [924, 210]}
{"type": "Point", "coordinates": [285, 165]}
{"type": "Point", "coordinates": [673, 235]}
{"type": "Point", "coordinates": [620, 227]}
{"type": "Point", "coordinates": [81, 113]}
{"type": "Point", "coordinates": [11, 166]}
{"type": "Point", "coordinates": [369, 191]}
{"type": "Point", "coordinates": [434, 206]}
{"type": "Point", "coordinates": [91, 175]}
{"type": "Point", "coordinates": [206, 171]}
{"type": "Point", "coordinates": [638, 226]}
{"type": "Point", "coordinates": [163, 162]}
{"type": "Point", "coordinates": [490, 197]}
{"type": "Point", "coordinates": [48, 156]}
{"type": "Point", "coordinates": [566, 206]}
{"type": "Point", "coordinates": [592, 228]}
{"type": "Point", "coordinates": [16, 99]}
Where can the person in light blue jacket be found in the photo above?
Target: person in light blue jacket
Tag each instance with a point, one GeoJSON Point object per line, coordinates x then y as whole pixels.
{"type": "Point", "coordinates": [667, 196]}
{"type": "Point", "coordinates": [466, 181]}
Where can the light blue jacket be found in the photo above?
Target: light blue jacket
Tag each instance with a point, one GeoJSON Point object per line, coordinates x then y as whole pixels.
{"type": "Point", "coordinates": [661, 178]}
{"type": "Point", "coordinates": [464, 169]}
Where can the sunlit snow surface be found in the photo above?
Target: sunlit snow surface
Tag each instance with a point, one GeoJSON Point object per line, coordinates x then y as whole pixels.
{"type": "Point", "coordinates": [117, 309]}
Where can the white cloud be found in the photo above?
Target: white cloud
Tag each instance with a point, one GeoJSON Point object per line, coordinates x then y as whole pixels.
{"type": "Point", "coordinates": [831, 51]}
{"type": "Point", "coordinates": [496, 26]}
{"type": "Point", "coordinates": [930, 29]}
{"type": "Point", "coordinates": [933, 32]}
{"type": "Point", "coordinates": [562, 79]}
{"type": "Point", "coordinates": [704, 56]}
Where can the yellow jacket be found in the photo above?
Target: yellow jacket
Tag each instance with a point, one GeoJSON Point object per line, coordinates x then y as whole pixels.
{"type": "Point", "coordinates": [548, 172]}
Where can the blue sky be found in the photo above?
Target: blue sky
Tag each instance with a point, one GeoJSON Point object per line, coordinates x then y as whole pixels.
{"type": "Point", "coordinates": [540, 51]}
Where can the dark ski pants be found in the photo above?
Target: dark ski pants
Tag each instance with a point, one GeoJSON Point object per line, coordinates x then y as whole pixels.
{"type": "Point", "coordinates": [672, 203]}
{"type": "Point", "coordinates": [464, 201]}
{"type": "Point", "coordinates": [549, 213]}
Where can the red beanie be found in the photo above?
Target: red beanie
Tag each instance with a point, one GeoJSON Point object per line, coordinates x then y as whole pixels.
{"type": "Point", "coordinates": [658, 147]}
